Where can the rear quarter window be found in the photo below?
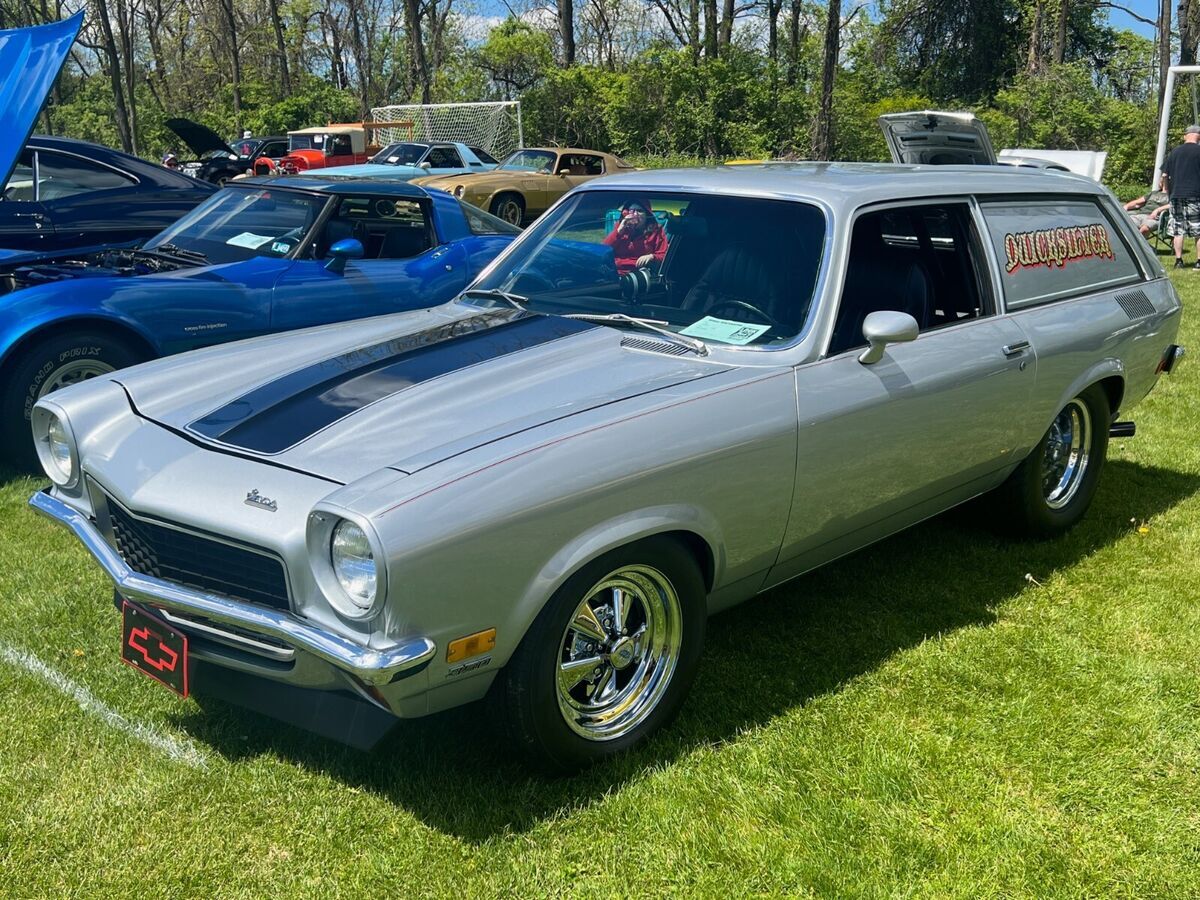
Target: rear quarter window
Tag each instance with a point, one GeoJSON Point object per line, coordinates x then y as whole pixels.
{"type": "Point", "coordinates": [1053, 249]}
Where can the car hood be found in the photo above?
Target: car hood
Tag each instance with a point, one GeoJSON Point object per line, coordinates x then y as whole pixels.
{"type": "Point", "coordinates": [446, 182]}
{"type": "Point", "coordinates": [405, 391]}
{"type": "Point", "coordinates": [30, 60]}
{"type": "Point", "coordinates": [200, 139]}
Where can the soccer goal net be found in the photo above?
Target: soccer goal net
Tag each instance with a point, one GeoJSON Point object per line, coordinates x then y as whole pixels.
{"type": "Point", "coordinates": [496, 127]}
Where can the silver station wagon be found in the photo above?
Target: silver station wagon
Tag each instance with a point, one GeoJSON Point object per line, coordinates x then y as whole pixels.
{"type": "Point", "coordinates": [676, 390]}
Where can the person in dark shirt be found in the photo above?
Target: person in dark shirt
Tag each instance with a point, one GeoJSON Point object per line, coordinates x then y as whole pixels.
{"type": "Point", "coordinates": [1181, 181]}
{"type": "Point", "coordinates": [638, 240]}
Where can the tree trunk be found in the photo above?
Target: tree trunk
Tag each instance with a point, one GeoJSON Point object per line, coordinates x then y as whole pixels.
{"type": "Point", "coordinates": [727, 24]}
{"type": "Point", "coordinates": [1034, 63]}
{"type": "Point", "coordinates": [1164, 46]}
{"type": "Point", "coordinates": [112, 61]}
{"type": "Point", "coordinates": [566, 30]}
{"type": "Point", "coordinates": [1186, 15]}
{"type": "Point", "coordinates": [822, 139]}
{"type": "Point", "coordinates": [1060, 32]}
{"type": "Point", "coordinates": [774, 7]}
{"type": "Point", "coordinates": [285, 77]}
{"type": "Point", "coordinates": [793, 64]}
{"type": "Point", "coordinates": [125, 27]}
{"type": "Point", "coordinates": [694, 29]}
{"type": "Point", "coordinates": [710, 28]}
{"type": "Point", "coordinates": [418, 65]}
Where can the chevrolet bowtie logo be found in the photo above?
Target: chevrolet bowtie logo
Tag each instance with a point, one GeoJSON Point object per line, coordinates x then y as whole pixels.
{"type": "Point", "coordinates": [254, 498]}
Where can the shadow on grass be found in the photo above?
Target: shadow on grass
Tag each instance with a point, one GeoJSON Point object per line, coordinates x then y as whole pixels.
{"type": "Point", "coordinates": [804, 639]}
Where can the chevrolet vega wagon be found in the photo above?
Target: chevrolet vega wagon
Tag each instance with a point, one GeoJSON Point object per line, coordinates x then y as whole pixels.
{"type": "Point", "coordinates": [539, 491]}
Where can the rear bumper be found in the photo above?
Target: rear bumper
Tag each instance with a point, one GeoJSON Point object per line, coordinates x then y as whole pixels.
{"type": "Point", "coordinates": [371, 667]}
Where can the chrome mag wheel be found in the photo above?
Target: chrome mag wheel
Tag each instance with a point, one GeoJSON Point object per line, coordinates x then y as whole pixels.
{"type": "Point", "coordinates": [510, 211]}
{"type": "Point", "coordinates": [618, 652]}
{"type": "Point", "coordinates": [1066, 458]}
{"type": "Point", "coordinates": [73, 372]}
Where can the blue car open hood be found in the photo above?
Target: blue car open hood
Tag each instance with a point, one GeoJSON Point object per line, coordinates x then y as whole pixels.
{"type": "Point", "coordinates": [30, 60]}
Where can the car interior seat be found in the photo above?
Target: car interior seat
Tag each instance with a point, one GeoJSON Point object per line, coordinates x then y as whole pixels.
{"type": "Point", "coordinates": [403, 242]}
{"type": "Point", "coordinates": [878, 277]}
{"type": "Point", "coordinates": [336, 230]}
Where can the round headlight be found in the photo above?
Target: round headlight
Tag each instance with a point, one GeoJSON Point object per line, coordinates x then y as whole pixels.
{"type": "Point", "coordinates": [459, 190]}
{"type": "Point", "coordinates": [353, 563]}
{"type": "Point", "coordinates": [59, 458]}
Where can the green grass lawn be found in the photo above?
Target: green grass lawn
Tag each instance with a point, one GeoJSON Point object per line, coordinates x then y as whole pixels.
{"type": "Point", "coordinates": [947, 713]}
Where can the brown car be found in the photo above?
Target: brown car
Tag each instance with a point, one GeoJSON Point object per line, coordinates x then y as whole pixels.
{"type": "Point", "coordinates": [525, 184]}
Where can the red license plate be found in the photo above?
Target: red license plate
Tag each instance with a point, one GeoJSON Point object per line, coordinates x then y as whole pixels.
{"type": "Point", "coordinates": [154, 648]}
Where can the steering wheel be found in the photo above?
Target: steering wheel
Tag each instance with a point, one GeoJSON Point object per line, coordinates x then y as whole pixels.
{"type": "Point", "coordinates": [743, 306]}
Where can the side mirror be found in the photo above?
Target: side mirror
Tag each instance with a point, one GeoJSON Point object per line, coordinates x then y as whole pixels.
{"type": "Point", "coordinates": [885, 327]}
{"type": "Point", "coordinates": [424, 164]}
{"type": "Point", "coordinates": [342, 252]}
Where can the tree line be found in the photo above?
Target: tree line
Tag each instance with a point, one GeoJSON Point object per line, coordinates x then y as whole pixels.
{"type": "Point", "coordinates": [672, 79]}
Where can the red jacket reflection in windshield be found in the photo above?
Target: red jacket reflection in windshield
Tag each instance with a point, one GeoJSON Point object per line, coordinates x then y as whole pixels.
{"type": "Point", "coordinates": [638, 240]}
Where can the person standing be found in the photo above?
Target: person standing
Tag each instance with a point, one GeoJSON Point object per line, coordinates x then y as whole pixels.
{"type": "Point", "coordinates": [1181, 181]}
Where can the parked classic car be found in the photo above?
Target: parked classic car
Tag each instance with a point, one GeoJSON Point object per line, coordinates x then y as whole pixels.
{"type": "Point", "coordinates": [260, 256]}
{"type": "Point", "coordinates": [541, 489]}
{"type": "Point", "coordinates": [60, 193]}
{"type": "Point", "coordinates": [529, 181]}
{"type": "Point", "coordinates": [218, 161]}
{"type": "Point", "coordinates": [408, 160]}
{"type": "Point", "coordinates": [330, 146]}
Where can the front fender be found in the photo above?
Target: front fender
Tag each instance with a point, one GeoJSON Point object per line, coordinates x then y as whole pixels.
{"type": "Point", "coordinates": [26, 312]}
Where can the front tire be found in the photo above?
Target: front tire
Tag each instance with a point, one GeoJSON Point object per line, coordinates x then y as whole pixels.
{"type": "Point", "coordinates": [1053, 487]}
{"type": "Point", "coordinates": [55, 362]}
{"type": "Point", "coordinates": [510, 208]}
{"type": "Point", "coordinates": [610, 658]}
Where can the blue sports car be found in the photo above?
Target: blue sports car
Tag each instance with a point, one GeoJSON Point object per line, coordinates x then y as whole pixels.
{"type": "Point", "coordinates": [261, 255]}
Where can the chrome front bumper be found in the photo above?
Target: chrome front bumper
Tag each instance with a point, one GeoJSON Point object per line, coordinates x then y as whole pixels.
{"type": "Point", "coordinates": [373, 667]}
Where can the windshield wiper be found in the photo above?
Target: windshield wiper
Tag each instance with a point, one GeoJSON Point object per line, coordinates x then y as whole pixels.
{"type": "Point", "coordinates": [516, 301]}
{"type": "Point", "coordinates": [194, 256]}
{"type": "Point", "coordinates": [693, 344]}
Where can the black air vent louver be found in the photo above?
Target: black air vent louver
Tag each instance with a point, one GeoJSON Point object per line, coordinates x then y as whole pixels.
{"type": "Point", "coordinates": [1135, 303]}
{"type": "Point", "coordinates": [654, 346]}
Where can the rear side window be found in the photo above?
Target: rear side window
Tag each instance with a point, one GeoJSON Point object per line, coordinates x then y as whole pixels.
{"type": "Point", "coordinates": [60, 175]}
{"type": "Point", "coordinates": [1049, 250]}
{"type": "Point", "coordinates": [444, 158]}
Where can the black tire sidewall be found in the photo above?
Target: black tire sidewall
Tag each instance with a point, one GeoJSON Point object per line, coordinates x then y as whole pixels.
{"type": "Point", "coordinates": [1039, 518]}
{"type": "Point", "coordinates": [530, 702]}
{"type": "Point", "coordinates": [31, 369]}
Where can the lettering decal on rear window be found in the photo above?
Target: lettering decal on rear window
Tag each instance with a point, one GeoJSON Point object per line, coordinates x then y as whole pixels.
{"type": "Point", "coordinates": [1055, 247]}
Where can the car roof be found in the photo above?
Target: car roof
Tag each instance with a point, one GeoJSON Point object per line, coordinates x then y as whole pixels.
{"type": "Point", "coordinates": [340, 186]}
{"type": "Point", "coordinates": [144, 170]}
{"type": "Point", "coordinates": [845, 184]}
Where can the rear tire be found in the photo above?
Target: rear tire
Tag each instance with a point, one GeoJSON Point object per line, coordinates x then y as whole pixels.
{"type": "Point", "coordinates": [509, 207]}
{"type": "Point", "coordinates": [53, 363]}
{"type": "Point", "coordinates": [585, 685]}
{"type": "Point", "coordinates": [1053, 487]}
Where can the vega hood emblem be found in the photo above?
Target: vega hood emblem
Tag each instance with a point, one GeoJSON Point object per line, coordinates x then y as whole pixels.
{"type": "Point", "coordinates": [254, 498]}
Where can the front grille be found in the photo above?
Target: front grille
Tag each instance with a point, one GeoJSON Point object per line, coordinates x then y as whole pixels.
{"type": "Point", "coordinates": [1136, 304]}
{"type": "Point", "coordinates": [196, 561]}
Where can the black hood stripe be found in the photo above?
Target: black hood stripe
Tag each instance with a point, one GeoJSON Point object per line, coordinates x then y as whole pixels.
{"type": "Point", "coordinates": [282, 413]}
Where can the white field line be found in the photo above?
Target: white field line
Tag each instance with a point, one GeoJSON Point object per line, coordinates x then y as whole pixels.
{"type": "Point", "coordinates": [179, 749]}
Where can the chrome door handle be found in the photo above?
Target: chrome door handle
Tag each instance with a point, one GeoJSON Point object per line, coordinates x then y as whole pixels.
{"type": "Point", "coordinates": [1016, 348]}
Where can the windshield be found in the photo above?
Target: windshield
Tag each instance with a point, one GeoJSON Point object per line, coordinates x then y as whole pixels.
{"type": "Point", "coordinates": [529, 161]}
{"type": "Point", "coordinates": [237, 223]}
{"type": "Point", "coordinates": [306, 142]}
{"type": "Point", "coordinates": [731, 270]}
{"type": "Point", "coordinates": [400, 155]}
